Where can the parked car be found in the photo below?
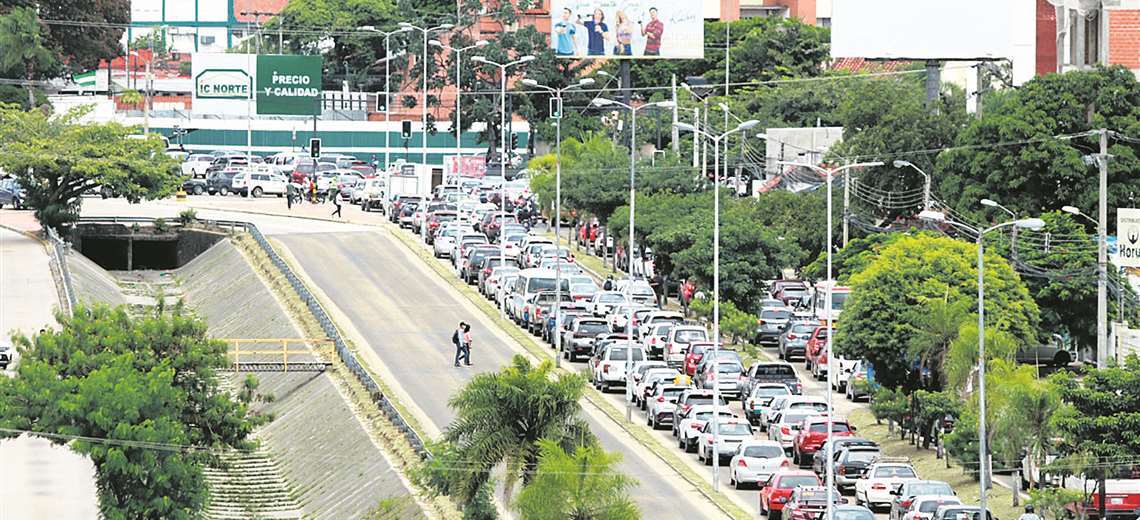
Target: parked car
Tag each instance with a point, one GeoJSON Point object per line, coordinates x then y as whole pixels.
{"type": "Point", "coordinates": [784, 427]}
{"type": "Point", "coordinates": [1044, 355]}
{"type": "Point", "coordinates": [902, 494]}
{"type": "Point", "coordinates": [661, 404]}
{"type": "Point", "coordinates": [690, 425]}
{"type": "Point", "coordinates": [760, 398]}
{"type": "Point", "coordinates": [7, 354]}
{"type": "Point", "coordinates": [770, 325]}
{"type": "Point", "coordinates": [259, 181]}
{"type": "Point", "coordinates": [794, 339]}
{"type": "Point", "coordinates": [603, 302]}
{"type": "Point", "coordinates": [852, 456]}
{"type": "Point", "coordinates": [960, 512]}
{"type": "Point", "coordinates": [809, 502]}
{"type": "Point", "coordinates": [580, 339]}
{"type": "Point", "coordinates": [221, 182]}
{"type": "Point", "coordinates": [813, 433]}
{"type": "Point", "coordinates": [196, 164]}
{"type": "Point", "coordinates": [191, 186]}
{"type": "Point", "coordinates": [720, 439]}
{"type": "Point", "coordinates": [877, 486]}
{"type": "Point", "coordinates": [815, 343]}
{"type": "Point", "coordinates": [776, 491]}
{"type": "Point", "coordinates": [677, 344]}
{"type": "Point", "coordinates": [611, 367]}
{"type": "Point", "coordinates": [686, 401]}
{"type": "Point", "coordinates": [773, 372]}
{"type": "Point", "coordinates": [11, 194]}
{"type": "Point", "coordinates": [924, 506]}
{"type": "Point", "coordinates": [755, 461]}
{"type": "Point", "coordinates": [857, 382]}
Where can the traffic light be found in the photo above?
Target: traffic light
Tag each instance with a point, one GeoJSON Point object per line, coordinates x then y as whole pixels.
{"type": "Point", "coordinates": [555, 108]}
{"type": "Point", "coordinates": [514, 141]}
{"type": "Point", "coordinates": [315, 147]}
{"type": "Point", "coordinates": [406, 130]}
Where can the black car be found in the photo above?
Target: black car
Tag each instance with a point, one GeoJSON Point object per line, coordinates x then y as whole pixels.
{"type": "Point", "coordinates": [221, 182]}
{"type": "Point", "coordinates": [194, 186]}
{"type": "Point", "coordinates": [11, 194]}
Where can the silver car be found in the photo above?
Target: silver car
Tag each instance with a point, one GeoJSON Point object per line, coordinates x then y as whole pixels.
{"type": "Point", "coordinates": [659, 407]}
{"type": "Point", "coordinates": [756, 460]}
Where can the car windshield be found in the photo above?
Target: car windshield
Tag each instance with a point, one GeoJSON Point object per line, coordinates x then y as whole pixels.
{"type": "Point", "coordinates": [795, 419]}
{"type": "Point", "coordinates": [895, 471]}
{"type": "Point", "coordinates": [593, 327]}
{"type": "Point", "coordinates": [546, 284]}
{"type": "Point", "coordinates": [804, 328]}
{"type": "Point", "coordinates": [611, 298]}
{"type": "Point", "coordinates": [766, 451]}
{"type": "Point", "coordinates": [701, 399]}
{"type": "Point", "coordinates": [495, 261]}
{"type": "Point", "coordinates": [823, 333]}
{"type": "Point", "coordinates": [581, 288]}
{"type": "Point", "coordinates": [863, 455]}
{"type": "Point", "coordinates": [706, 415]}
{"type": "Point", "coordinates": [775, 370]}
{"type": "Point", "coordinates": [775, 314]}
{"type": "Point", "coordinates": [672, 393]}
{"type": "Point", "coordinates": [819, 407]}
{"type": "Point", "coordinates": [795, 481]}
{"type": "Point", "coordinates": [735, 429]}
{"type": "Point", "coordinates": [838, 299]}
{"type": "Point", "coordinates": [729, 368]}
{"type": "Point", "coordinates": [619, 354]}
{"type": "Point", "coordinates": [770, 391]}
{"type": "Point", "coordinates": [641, 290]}
{"type": "Point", "coordinates": [852, 514]}
{"type": "Point", "coordinates": [931, 506]}
{"type": "Point", "coordinates": [927, 488]}
{"type": "Point", "coordinates": [690, 335]}
{"type": "Point", "coordinates": [835, 427]}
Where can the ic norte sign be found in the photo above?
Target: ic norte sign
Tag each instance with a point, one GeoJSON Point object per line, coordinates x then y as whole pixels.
{"type": "Point", "coordinates": [277, 84]}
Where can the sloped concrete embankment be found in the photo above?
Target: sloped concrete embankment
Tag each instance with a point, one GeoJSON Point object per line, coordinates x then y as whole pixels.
{"type": "Point", "coordinates": [333, 467]}
{"type": "Point", "coordinates": [92, 283]}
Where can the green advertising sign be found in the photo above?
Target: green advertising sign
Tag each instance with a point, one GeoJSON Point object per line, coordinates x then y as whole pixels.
{"type": "Point", "coordinates": [288, 85]}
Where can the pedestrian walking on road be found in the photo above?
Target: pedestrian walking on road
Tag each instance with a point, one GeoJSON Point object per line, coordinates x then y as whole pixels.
{"type": "Point", "coordinates": [457, 340]}
{"type": "Point", "coordinates": [336, 202]}
{"type": "Point", "coordinates": [289, 195]}
{"type": "Point", "coordinates": [467, 344]}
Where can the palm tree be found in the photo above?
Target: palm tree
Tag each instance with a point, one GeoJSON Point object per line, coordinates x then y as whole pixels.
{"type": "Point", "coordinates": [22, 48]}
{"type": "Point", "coordinates": [579, 486]}
{"type": "Point", "coordinates": [938, 324]}
{"type": "Point", "coordinates": [501, 417]}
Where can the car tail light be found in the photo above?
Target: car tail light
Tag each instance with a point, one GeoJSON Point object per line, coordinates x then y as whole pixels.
{"type": "Point", "coordinates": [661, 399]}
{"type": "Point", "coordinates": [695, 426]}
{"type": "Point", "coordinates": [785, 430]}
{"type": "Point", "coordinates": [742, 463]}
{"type": "Point", "coordinates": [879, 486]}
{"type": "Point", "coordinates": [785, 464]}
{"type": "Point", "coordinates": [842, 470]}
{"type": "Point", "coordinates": [710, 441]}
{"type": "Point", "coordinates": [791, 336]}
{"type": "Point", "coordinates": [904, 503]}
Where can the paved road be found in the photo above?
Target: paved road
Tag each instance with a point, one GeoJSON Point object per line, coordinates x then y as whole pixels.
{"type": "Point", "coordinates": [406, 314]}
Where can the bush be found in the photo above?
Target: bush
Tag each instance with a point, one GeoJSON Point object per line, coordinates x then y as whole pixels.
{"type": "Point", "coordinates": [188, 216]}
{"type": "Point", "coordinates": [160, 225]}
{"type": "Point", "coordinates": [889, 405]}
{"type": "Point", "coordinates": [737, 324]}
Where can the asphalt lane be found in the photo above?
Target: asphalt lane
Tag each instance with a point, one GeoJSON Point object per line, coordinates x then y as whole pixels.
{"type": "Point", "coordinates": [406, 314]}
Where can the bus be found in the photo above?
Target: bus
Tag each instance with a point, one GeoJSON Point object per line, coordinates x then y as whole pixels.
{"type": "Point", "coordinates": [839, 297]}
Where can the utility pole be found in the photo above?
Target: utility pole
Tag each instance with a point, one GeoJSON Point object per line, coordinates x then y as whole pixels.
{"type": "Point", "coordinates": [933, 85]}
{"type": "Point", "coordinates": [257, 28]}
{"type": "Point", "coordinates": [674, 133]}
{"type": "Point", "coordinates": [1102, 347]}
{"type": "Point", "coordinates": [846, 206]}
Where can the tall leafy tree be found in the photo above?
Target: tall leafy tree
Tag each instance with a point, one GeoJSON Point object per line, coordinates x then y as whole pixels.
{"type": "Point", "coordinates": [882, 314]}
{"type": "Point", "coordinates": [1101, 419]}
{"type": "Point", "coordinates": [501, 417]}
{"type": "Point", "coordinates": [23, 51]}
{"type": "Point", "coordinates": [1040, 173]}
{"type": "Point", "coordinates": [57, 159]}
{"type": "Point", "coordinates": [582, 485]}
{"type": "Point", "coordinates": [148, 387]}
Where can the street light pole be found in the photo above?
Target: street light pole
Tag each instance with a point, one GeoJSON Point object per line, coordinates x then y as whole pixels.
{"type": "Point", "coordinates": [558, 207]}
{"type": "Point", "coordinates": [716, 282]}
{"type": "Point", "coordinates": [424, 58]}
{"type": "Point", "coordinates": [458, 84]}
{"type": "Point", "coordinates": [1029, 223]}
{"type": "Point", "coordinates": [388, 56]}
{"type": "Point", "coordinates": [829, 175]}
{"type": "Point", "coordinates": [629, 248]}
{"type": "Point", "coordinates": [503, 142]}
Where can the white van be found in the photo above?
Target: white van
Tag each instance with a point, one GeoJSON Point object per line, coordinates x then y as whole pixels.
{"type": "Point", "coordinates": [259, 180]}
{"type": "Point", "coordinates": [529, 282]}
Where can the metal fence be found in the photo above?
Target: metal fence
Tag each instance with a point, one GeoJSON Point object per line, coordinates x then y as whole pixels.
{"type": "Point", "coordinates": [59, 251]}
{"type": "Point", "coordinates": [346, 355]}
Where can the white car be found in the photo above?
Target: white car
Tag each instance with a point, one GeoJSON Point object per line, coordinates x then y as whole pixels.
{"type": "Point", "coordinates": [258, 181]}
{"type": "Point", "coordinates": [691, 424]}
{"type": "Point", "coordinates": [792, 402]}
{"type": "Point", "coordinates": [610, 370]}
{"type": "Point", "coordinates": [924, 506]}
{"type": "Point", "coordinates": [876, 486]}
{"type": "Point", "coordinates": [370, 195]}
{"type": "Point", "coordinates": [720, 440]}
{"type": "Point", "coordinates": [491, 282]}
{"type": "Point", "coordinates": [643, 384]}
{"type": "Point", "coordinates": [843, 369]}
{"type": "Point", "coordinates": [444, 242]}
{"type": "Point", "coordinates": [761, 398]}
{"type": "Point", "coordinates": [602, 302]}
{"type": "Point", "coordinates": [195, 165]}
{"type": "Point", "coordinates": [755, 461]}
{"type": "Point", "coordinates": [641, 369]}
{"type": "Point", "coordinates": [659, 406]}
{"type": "Point", "coordinates": [786, 425]}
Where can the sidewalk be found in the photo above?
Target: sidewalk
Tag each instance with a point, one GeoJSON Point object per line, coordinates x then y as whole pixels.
{"type": "Point", "coordinates": [38, 480]}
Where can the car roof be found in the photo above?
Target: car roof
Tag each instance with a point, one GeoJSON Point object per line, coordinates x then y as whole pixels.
{"type": "Point", "coordinates": [794, 473]}
{"type": "Point", "coordinates": [929, 498]}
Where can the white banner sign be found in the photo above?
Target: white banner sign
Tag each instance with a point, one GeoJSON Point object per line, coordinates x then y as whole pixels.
{"type": "Point", "coordinates": [1128, 237]}
{"type": "Point", "coordinates": [223, 83]}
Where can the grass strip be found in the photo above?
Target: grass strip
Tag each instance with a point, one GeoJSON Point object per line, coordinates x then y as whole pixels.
{"type": "Point", "coordinates": [640, 434]}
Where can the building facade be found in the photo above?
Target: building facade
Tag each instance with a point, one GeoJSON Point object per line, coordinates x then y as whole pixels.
{"type": "Point", "coordinates": [199, 25]}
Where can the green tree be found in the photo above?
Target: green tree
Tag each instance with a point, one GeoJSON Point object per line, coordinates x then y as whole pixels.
{"type": "Point", "coordinates": [22, 48]}
{"type": "Point", "coordinates": [1101, 418]}
{"type": "Point", "coordinates": [1046, 173]}
{"type": "Point", "coordinates": [501, 416]}
{"type": "Point", "coordinates": [149, 386]}
{"type": "Point", "coordinates": [1026, 424]}
{"type": "Point", "coordinates": [880, 317]}
{"type": "Point", "coordinates": [582, 485]}
{"type": "Point", "coordinates": [57, 159]}
{"type": "Point", "coordinates": [937, 324]}
{"type": "Point", "coordinates": [852, 258]}
{"type": "Point", "coordinates": [80, 48]}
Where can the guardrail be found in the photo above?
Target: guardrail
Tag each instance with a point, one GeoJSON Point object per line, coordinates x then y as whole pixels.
{"type": "Point", "coordinates": [319, 313]}
{"type": "Point", "coordinates": [59, 252]}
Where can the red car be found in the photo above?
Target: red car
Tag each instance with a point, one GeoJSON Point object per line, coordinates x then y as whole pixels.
{"type": "Point", "coordinates": [813, 434]}
{"type": "Point", "coordinates": [778, 489]}
{"type": "Point", "coordinates": [814, 344]}
{"type": "Point", "coordinates": [437, 218]}
{"type": "Point", "coordinates": [694, 355]}
{"type": "Point", "coordinates": [808, 502]}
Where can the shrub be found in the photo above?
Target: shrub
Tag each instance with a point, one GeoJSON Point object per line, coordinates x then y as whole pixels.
{"type": "Point", "coordinates": [188, 216]}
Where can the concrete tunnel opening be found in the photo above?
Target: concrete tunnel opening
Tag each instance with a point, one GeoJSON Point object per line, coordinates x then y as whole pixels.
{"type": "Point", "coordinates": [118, 247]}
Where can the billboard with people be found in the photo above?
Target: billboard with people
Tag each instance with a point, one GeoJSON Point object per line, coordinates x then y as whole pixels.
{"type": "Point", "coordinates": [627, 29]}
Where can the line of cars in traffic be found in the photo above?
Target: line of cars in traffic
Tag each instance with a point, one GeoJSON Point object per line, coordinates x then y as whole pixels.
{"type": "Point", "coordinates": [668, 368]}
{"type": "Point", "coordinates": [224, 172]}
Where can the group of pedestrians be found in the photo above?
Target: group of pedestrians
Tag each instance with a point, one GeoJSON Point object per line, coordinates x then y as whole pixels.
{"type": "Point", "coordinates": [461, 338]}
{"type": "Point", "coordinates": [298, 192]}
